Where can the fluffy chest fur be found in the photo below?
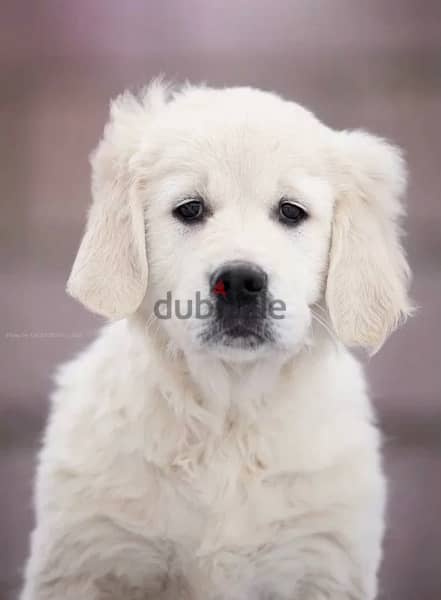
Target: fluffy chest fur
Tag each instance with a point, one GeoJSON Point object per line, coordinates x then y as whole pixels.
{"type": "Point", "coordinates": [158, 459]}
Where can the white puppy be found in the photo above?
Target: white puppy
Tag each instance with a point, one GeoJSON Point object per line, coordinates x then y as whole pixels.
{"type": "Point", "coordinates": [217, 442]}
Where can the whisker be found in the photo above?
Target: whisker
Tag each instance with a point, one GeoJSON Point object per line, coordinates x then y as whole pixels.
{"type": "Point", "coordinates": [151, 322]}
{"type": "Point", "coordinates": [320, 307]}
{"type": "Point", "coordinates": [325, 326]}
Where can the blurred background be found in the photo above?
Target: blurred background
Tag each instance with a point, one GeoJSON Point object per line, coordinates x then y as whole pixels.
{"type": "Point", "coordinates": [375, 65]}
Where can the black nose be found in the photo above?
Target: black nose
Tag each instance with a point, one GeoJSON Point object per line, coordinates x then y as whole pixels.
{"type": "Point", "coordinates": [239, 282]}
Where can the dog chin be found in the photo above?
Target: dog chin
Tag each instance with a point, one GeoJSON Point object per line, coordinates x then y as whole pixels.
{"type": "Point", "coordinates": [238, 346]}
{"type": "Point", "coordinates": [239, 351]}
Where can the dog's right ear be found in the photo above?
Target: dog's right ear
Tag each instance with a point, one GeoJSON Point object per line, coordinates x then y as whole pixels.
{"type": "Point", "coordinates": [109, 275]}
{"type": "Point", "coordinates": [368, 276]}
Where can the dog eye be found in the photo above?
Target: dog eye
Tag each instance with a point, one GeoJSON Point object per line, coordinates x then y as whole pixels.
{"type": "Point", "coordinates": [191, 211]}
{"type": "Point", "coordinates": [290, 213]}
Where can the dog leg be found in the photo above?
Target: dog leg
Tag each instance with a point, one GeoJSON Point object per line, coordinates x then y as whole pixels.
{"type": "Point", "coordinates": [97, 560]}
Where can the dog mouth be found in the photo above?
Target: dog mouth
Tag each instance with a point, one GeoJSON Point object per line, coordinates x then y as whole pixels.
{"type": "Point", "coordinates": [238, 334]}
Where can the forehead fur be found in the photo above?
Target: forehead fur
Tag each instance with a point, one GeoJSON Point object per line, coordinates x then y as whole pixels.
{"type": "Point", "coordinates": [203, 109]}
{"type": "Point", "coordinates": [234, 103]}
{"type": "Point", "coordinates": [240, 129]}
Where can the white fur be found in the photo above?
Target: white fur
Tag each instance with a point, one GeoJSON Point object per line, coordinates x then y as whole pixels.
{"type": "Point", "coordinates": [172, 469]}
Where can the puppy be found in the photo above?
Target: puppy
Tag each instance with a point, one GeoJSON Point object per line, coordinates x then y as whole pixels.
{"type": "Point", "coordinates": [216, 442]}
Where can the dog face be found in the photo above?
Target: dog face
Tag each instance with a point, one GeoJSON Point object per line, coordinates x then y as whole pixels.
{"type": "Point", "coordinates": [239, 228]}
{"type": "Point", "coordinates": [232, 218]}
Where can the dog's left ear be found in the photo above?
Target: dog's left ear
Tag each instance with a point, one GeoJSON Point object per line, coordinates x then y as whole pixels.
{"type": "Point", "coordinates": [109, 275]}
{"type": "Point", "coordinates": [368, 274]}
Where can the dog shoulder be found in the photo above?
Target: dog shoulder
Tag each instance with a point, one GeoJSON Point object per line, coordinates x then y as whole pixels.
{"type": "Point", "coordinates": [94, 421]}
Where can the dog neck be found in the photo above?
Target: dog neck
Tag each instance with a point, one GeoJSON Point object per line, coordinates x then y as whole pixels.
{"type": "Point", "coordinates": [218, 390]}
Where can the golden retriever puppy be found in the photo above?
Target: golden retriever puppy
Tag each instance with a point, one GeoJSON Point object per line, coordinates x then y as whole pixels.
{"type": "Point", "coordinates": [216, 442]}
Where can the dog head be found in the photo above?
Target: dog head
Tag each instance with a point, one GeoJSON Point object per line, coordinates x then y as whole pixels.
{"type": "Point", "coordinates": [230, 217]}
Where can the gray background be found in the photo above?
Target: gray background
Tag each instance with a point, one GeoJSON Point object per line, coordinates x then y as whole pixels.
{"type": "Point", "coordinates": [371, 64]}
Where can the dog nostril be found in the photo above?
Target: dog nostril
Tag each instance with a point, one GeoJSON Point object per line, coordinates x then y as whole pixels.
{"type": "Point", "coordinates": [254, 284]}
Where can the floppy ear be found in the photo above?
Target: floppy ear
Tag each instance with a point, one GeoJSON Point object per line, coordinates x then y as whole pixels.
{"type": "Point", "coordinates": [109, 275]}
{"type": "Point", "coordinates": [368, 274]}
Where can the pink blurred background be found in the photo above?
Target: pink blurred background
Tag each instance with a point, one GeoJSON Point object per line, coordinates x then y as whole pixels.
{"type": "Point", "coordinates": [375, 65]}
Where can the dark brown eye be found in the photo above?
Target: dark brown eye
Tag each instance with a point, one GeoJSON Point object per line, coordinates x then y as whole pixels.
{"type": "Point", "coordinates": [191, 211]}
{"type": "Point", "coordinates": [290, 213]}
